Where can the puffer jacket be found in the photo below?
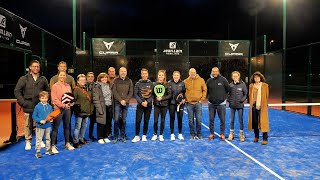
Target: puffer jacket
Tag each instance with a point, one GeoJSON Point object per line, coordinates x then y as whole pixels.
{"type": "Point", "coordinates": [238, 94]}
{"type": "Point", "coordinates": [176, 89]}
{"type": "Point", "coordinates": [165, 98]}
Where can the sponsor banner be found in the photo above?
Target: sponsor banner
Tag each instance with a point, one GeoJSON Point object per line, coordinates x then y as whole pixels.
{"type": "Point", "coordinates": [234, 48]}
{"type": "Point", "coordinates": [6, 27]}
{"type": "Point", "coordinates": [172, 48]}
{"type": "Point", "coordinates": [108, 47]}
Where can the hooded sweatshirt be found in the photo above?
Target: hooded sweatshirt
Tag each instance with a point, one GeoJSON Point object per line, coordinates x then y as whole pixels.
{"type": "Point", "coordinates": [196, 89]}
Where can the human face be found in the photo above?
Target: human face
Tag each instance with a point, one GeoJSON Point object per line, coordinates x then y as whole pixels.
{"type": "Point", "coordinates": [215, 72]}
{"type": "Point", "coordinates": [82, 81]}
{"type": "Point", "coordinates": [104, 80]}
{"type": "Point", "coordinates": [123, 72]}
{"type": "Point", "coordinates": [62, 67]}
{"type": "Point", "coordinates": [44, 99]}
{"type": "Point", "coordinates": [192, 73]}
{"type": "Point", "coordinates": [257, 79]}
{"type": "Point", "coordinates": [144, 75]}
{"type": "Point", "coordinates": [90, 78]}
{"type": "Point", "coordinates": [35, 68]}
{"type": "Point", "coordinates": [62, 76]}
{"type": "Point", "coordinates": [112, 72]}
{"type": "Point", "coordinates": [176, 77]}
{"type": "Point", "coordinates": [235, 77]}
{"type": "Point", "coordinates": [161, 77]}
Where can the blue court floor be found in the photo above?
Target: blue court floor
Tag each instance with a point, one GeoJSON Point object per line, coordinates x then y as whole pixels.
{"type": "Point", "coordinates": [293, 152]}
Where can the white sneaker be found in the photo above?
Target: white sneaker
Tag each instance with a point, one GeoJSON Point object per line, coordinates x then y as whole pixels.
{"type": "Point", "coordinates": [69, 146]}
{"type": "Point", "coordinates": [172, 137]}
{"type": "Point", "coordinates": [43, 145]}
{"type": "Point", "coordinates": [28, 145]}
{"type": "Point", "coordinates": [154, 137]}
{"type": "Point", "coordinates": [106, 140]}
{"type": "Point", "coordinates": [136, 139]}
{"type": "Point", "coordinates": [54, 149]}
{"type": "Point", "coordinates": [180, 137]}
{"type": "Point", "coordinates": [161, 138]}
{"type": "Point", "coordinates": [144, 138]}
{"type": "Point", "coordinates": [101, 141]}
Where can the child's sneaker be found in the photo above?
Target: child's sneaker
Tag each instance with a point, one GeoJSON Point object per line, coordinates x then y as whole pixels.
{"type": "Point", "coordinates": [144, 138]}
{"type": "Point", "coordinates": [43, 145]}
{"type": "Point", "coordinates": [106, 140]}
{"type": "Point", "coordinates": [38, 155]}
{"type": "Point", "coordinates": [180, 137]}
{"type": "Point", "coordinates": [54, 149]}
{"type": "Point", "coordinates": [69, 147]}
{"type": "Point", "coordinates": [49, 152]}
{"type": "Point", "coordinates": [101, 141]}
{"type": "Point", "coordinates": [136, 139]}
{"type": "Point", "coordinates": [28, 145]}
{"type": "Point", "coordinates": [172, 137]}
{"type": "Point", "coordinates": [154, 137]}
{"type": "Point", "coordinates": [161, 138]}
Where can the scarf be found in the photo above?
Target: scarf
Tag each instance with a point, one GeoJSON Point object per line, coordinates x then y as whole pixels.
{"type": "Point", "coordinates": [258, 102]}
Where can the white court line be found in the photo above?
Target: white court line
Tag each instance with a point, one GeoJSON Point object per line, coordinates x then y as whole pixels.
{"type": "Point", "coordinates": [246, 154]}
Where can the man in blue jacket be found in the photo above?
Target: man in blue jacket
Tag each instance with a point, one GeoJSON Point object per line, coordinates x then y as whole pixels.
{"type": "Point", "coordinates": [143, 94]}
{"type": "Point", "coordinates": [218, 87]}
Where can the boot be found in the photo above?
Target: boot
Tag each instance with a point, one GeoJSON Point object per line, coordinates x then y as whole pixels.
{"type": "Point", "coordinates": [265, 138]}
{"type": "Point", "coordinates": [256, 135]}
{"type": "Point", "coordinates": [241, 136]}
{"type": "Point", "coordinates": [231, 135]}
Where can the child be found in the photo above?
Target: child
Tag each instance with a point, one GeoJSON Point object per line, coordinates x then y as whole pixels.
{"type": "Point", "coordinates": [41, 111]}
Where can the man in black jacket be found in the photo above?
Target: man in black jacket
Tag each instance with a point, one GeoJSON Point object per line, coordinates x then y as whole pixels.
{"type": "Point", "coordinates": [27, 92]}
{"type": "Point", "coordinates": [122, 91]}
{"type": "Point", "coordinates": [218, 87]}
{"type": "Point", "coordinates": [143, 94]}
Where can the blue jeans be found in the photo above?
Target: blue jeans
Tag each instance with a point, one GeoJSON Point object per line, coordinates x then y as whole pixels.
{"type": "Point", "coordinates": [194, 109]}
{"type": "Point", "coordinates": [240, 117]}
{"type": "Point", "coordinates": [221, 110]}
{"type": "Point", "coordinates": [122, 111]}
{"type": "Point", "coordinates": [80, 128]}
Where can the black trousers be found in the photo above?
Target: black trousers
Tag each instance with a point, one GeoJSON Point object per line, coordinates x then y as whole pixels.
{"type": "Point", "coordinates": [92, 121]}
{"type": "Point", "coordinates": [146, 111]}
{"type": "Point", "coordinates": [162, 111]}
{"type": "Point", "coordinates": [103, 130]}
{"type": "Point", "coordinates": [255, 123]}
{"type": "Point", "coordinates": [173, 111]}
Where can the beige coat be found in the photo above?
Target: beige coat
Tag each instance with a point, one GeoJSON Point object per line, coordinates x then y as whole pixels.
{"type": "Point", "coordinates": [264, 120]}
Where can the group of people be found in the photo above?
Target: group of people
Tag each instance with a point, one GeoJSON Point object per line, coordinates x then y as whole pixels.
{"type": "Point", "coordinates": [109, 97]}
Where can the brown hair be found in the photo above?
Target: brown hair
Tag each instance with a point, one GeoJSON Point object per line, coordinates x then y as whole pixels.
{"type": "Point", "coordinates": [144, 69]}
{"type": "Point", "coordinates": [43, 93]}
{"type": "Point", "coordinates": [34, 61]}
{"type": "Point", "coordinates": [90, 73]}
{"type": "Point", "coordinates": [102, 75]}
{"type": "Point", "coordinates": [62, 62]}
{"type": "Point", "coordinates": [165, 75]}
{"type": "Point", "coordinates": [59, 72]}
{"type": "Point", "coordinates": [257, 73]}
{"type": "Point", "coordinates": [176, 72]}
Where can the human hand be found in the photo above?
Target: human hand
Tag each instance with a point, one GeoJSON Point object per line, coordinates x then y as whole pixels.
{"type": "Point", "coordinates": [123, 103]}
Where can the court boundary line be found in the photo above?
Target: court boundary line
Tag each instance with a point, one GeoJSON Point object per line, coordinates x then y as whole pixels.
{"type": "Point", "coordinates": [244, 153]}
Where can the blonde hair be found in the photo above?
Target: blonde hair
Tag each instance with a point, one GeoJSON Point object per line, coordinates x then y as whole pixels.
{"type": "Point", "coordinates": [176, 72]}
{"type": "Point", "coordinates": [44, 93]}
{"type": "Point", "coordinates": [80, 76]}
{"type": "Point", "coordinates": [165, 75]}
{"type": "Point", "coordinates": [236, 72]}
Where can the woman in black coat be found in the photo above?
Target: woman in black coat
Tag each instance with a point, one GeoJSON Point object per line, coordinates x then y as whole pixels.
{"type": "Point", "coordinates": [238, 94]}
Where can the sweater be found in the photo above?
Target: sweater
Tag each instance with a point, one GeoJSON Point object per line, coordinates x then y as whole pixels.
{"type": "Point", "coordinates": [218, 87]}
{"type": "Point", "coordinates": [196, 89]}
{"type": "Point", "coordinates": [41, 111]}
{"type": "Point", "coordinates": [57, 90]}
{"type": "Point", "coordinates": [143, 91]}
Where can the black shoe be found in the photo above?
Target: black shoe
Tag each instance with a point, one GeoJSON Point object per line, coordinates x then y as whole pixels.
{"type": "Point", "coordinates": [92, 138]}
{"type": "Point", "coordinates": [199, 137]}
{"type": "Point", "coordinates": [84, 142]}
{"type": "Point", "coordinates": [76, 145]}
{"type": "Point", "coordinates": [124, 139]}
{"type": "Point", "coordinates": [38, 155]}
{"type": "Point", "coordinates": [115, 141]}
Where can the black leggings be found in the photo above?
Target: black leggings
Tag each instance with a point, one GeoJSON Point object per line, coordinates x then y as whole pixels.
{"type": "Point", "coordinates": [159, 110]}
{"type": "Point", "coordinates": [173, 111]}
{"type": "Point", "coordinates": [65, 116]}
{"type": "Point", "coordinates": [146, 111]}
{"type": "Point", "coordinates": [255, 123]}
